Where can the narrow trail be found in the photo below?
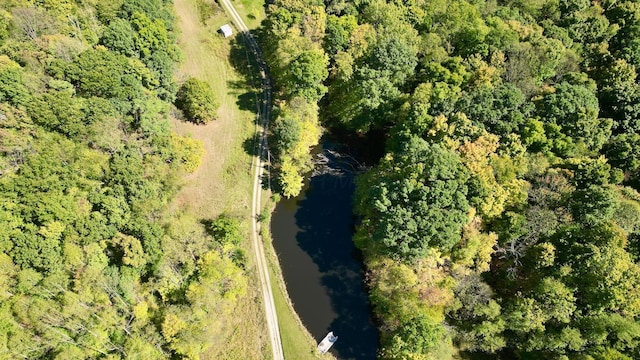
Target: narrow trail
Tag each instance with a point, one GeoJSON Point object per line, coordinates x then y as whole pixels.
{"type": "Point", "coordinates": [264, 113]}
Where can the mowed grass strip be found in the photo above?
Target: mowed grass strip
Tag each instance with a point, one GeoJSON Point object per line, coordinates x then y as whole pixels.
{"type": "Point", "coordinates": [295, 343]}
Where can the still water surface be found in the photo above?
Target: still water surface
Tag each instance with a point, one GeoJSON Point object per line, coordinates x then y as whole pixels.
{"type": "Point", "coordinates": [323, 270]}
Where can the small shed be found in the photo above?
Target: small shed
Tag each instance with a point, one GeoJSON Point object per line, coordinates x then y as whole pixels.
{"type": "Point", "coordinates": [226, 30]}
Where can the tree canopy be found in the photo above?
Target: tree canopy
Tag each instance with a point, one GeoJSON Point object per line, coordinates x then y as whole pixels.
{"type": "Point", "coordinates": [90, 264]}
{"type": "Point", "coordinates": [197, 100]}
{"type": "Point", "coordinates": [502, 220]}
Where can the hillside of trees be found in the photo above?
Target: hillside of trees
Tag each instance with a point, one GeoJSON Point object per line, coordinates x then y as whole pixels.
{"type": "Point", "coordinates": [503, 221]}
{"type": "Point", "coordinates": [88, 266]}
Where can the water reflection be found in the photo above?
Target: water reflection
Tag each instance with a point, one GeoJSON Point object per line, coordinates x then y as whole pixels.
{"type": "Point", "coordinates": [312, 235]}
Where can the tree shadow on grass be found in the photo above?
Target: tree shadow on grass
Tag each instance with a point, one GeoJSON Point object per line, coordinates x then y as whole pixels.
{"type": "Point", "coordinates": [249, 94]}
{"type": "Point", "coordinates": [208, 226]}
{"type": "Point", "coordinates": [250, 145]}
{"type": "Point", "coordinates": [248, 88]}
{"type": "Point", "coordinates": [269, 175]}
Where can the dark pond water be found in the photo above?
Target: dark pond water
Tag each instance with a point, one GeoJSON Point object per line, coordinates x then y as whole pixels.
{"type": "Point", "coordinates": [323, 270]}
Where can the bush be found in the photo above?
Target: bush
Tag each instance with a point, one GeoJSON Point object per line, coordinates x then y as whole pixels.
{"type": "Point", "coordinates": [197, 101]}
{"type": "Point", "coordinates": [226, 230]}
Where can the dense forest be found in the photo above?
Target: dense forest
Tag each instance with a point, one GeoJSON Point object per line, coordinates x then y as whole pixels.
{"type": "Point", "coordinates": [503, 220]}
{"type": "Point", "coordinates": [89, 266]}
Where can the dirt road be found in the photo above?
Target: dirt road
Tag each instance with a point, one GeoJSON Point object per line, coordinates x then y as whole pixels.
{"type": "Point", "coordinates": [264, 112]}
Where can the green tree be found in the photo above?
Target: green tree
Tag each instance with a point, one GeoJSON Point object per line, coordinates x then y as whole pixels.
{"type": "Point", "coordinates": [150, 9]}
{"type": "Point", "coordinates": [575, 109]}
{"type": "Point", "coordinates": [226, 230]}
{"type": "Point", "coordinates": [623, 151]}
{"type": "Point", "coordinates": [150, 34]}
{"type": "Point", "coordinates": [120, 37]}
{"type": "Point", "coordinates": [60, 111]}
{"type": "Point", "coordinates": [413, 201]}
{"type": "Point", "coordinates": [304, 75]}
{"type": "Point", "coordinates": [413, 339]}
{"type": "Point", "coordinates": [12, 88]}
{"type": "Point", "coordinates": [197, 100]}
{"type": "Point", "coordinates": [499, 109]}
{"type": "Point", "coordinates": [394, 58]}
{"type": "Point", "coordinates": [625, 44]}
{"type": "Point", "coordinates": [476, 316]}
{"type": "Point", "coordinates": [618, 92]}
{"type": "Point", "coordinates": [287, 133]}
{"type": "Point", "coordinates": [360, 103]}
{"type": "Point", "coordinates": [338, 33]}
{"type": "Point", "coordinates": [102, 73]}
{"type": "Point", "coordinates": [161, 64]}
{"type": "Point", "coordinates": [603, 273]}
{"type": "Point", "coordinates": [187, 152]}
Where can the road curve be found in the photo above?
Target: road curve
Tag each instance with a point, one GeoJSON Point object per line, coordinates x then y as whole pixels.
{"type": "Point", "coordinates": [264, 112]}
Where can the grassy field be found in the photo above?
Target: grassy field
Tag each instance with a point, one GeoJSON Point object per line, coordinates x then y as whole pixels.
{"type": "Point", "coordinates": [222, 184]}
{"type": "Point", "coordinates": [252, 11]}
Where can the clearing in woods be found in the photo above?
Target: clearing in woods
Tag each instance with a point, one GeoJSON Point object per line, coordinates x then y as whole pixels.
{"type": "Point", "coordinates": [223, 182]}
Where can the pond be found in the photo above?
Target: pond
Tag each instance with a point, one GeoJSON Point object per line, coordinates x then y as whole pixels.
{"type": "Point", "coordinates": [312, 235]}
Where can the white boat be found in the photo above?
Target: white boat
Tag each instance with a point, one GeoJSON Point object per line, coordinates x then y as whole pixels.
{"type": "Point", "coordinates": [327, 342]}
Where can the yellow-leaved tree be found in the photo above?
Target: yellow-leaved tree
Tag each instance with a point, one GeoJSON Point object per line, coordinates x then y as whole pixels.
{"type": "Point", "coordinates": [296, 131]}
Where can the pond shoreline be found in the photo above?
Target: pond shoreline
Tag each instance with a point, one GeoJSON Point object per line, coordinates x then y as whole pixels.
{"type": "Point", "coordinates": [323, 271]}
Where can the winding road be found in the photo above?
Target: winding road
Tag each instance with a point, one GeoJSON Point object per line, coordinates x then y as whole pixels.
{"type": "Point", "coordinates": [264, 112]}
